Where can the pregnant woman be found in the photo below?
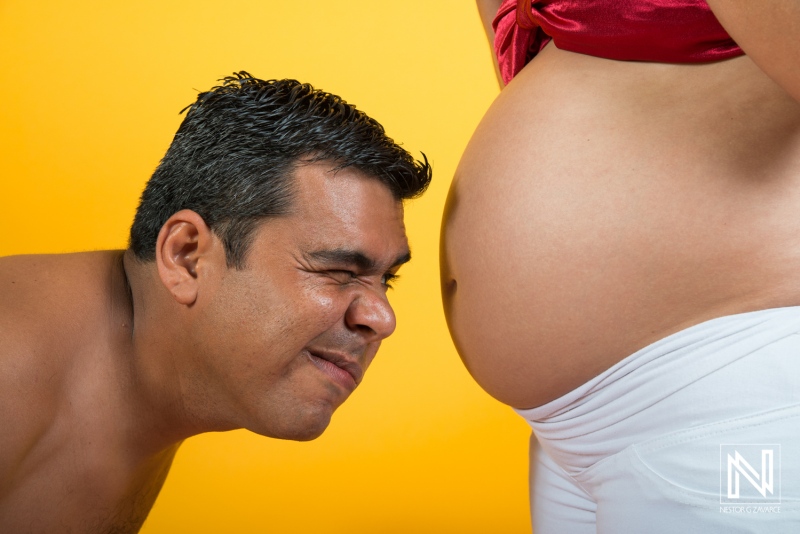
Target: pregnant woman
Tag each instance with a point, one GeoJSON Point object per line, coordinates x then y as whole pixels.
{"type": "Point", "coordinates": [621, 259]}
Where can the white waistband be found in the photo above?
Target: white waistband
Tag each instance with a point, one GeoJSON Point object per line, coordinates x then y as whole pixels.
{"type": "Point", "coordinates": [662, 385]}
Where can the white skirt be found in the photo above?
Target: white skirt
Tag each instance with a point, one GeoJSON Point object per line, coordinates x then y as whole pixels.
{"type": "Point", "coordinates": [698, 432]}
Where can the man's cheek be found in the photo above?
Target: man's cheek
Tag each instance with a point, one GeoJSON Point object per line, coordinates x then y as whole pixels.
{"type": "Point", "coordinates": [328, 306]}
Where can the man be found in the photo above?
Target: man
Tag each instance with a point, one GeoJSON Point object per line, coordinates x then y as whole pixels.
{"type": "Point", "coordinates": [252, 295]}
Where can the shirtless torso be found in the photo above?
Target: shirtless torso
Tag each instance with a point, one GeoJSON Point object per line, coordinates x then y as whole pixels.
{"type": "Point", "coordinates": [69, 465]}
{"type": "Point", "coordinates": [602, 205]}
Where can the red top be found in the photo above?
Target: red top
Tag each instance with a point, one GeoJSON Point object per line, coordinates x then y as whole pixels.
{"type": "Point", "coordinates": [670, 31]}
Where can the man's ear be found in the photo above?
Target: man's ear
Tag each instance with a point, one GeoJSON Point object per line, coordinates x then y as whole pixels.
{"type": "Point", "coordinates": [185, 245]}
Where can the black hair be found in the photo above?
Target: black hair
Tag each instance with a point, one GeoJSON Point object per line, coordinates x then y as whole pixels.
{"type": "Point", "coordinates": [233, 158]}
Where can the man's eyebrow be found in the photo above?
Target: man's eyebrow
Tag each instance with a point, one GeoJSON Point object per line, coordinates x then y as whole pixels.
{"type": "Point", "coordinates": [354, 257]}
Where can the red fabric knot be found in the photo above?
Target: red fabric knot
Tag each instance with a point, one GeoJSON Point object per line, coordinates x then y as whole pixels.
{"type": "Point", "coordinates": [669, 31]}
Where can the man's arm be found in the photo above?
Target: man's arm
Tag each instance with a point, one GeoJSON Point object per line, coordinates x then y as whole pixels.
{"type": "Point", "coordinates": [487, 9]}
{"type": "Point", "coordinates": [769, 33]}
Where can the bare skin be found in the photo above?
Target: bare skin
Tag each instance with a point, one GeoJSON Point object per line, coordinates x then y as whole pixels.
{"type": "Point", "coordinates": [107, 364]}
{"type": "Point", "coordinates": [603, 205]}
{"type": "Point", "coordinates": [79, 453]}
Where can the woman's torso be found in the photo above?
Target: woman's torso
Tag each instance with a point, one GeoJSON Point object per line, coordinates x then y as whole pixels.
{"type": "Point", "coordinates": [602, 205]}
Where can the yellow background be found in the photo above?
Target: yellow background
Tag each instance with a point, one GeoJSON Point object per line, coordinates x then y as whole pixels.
{"type": "Point", "coordinates": [89, 99]}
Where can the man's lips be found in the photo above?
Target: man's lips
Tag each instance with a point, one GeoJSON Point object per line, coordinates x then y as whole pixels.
{"type": "Point", "coordinates": [341, 367]}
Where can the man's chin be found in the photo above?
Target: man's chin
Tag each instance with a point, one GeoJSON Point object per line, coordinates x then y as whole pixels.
{"type": "Point", "coordinates": [299, 427]}
{"type": "Point", "coordinates": [307, 435]}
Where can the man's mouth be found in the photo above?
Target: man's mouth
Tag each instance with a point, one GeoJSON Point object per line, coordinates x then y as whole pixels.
{"type": "Point", "coordinates": [343, 369]}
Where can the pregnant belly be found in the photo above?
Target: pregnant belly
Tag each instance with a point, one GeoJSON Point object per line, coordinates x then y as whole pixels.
{"type": "Point", "coordinates": [603, 205]}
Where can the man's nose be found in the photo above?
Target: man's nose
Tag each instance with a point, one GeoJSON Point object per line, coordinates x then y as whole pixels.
{"type": "Point", "coordinates": [372, 316]}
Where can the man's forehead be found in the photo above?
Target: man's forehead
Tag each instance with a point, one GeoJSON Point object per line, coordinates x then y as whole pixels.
{"type": "Point", "coordinates": [324, 179]}
{"type": "Point", "coordinates": [344, 218]}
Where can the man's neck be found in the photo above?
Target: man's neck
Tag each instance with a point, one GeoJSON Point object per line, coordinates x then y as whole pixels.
{"type": "Point", "coordinates": [150, 357]}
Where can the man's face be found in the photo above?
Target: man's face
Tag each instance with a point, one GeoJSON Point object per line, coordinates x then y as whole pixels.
{"type": "Point", "coordinates": [289, 337]}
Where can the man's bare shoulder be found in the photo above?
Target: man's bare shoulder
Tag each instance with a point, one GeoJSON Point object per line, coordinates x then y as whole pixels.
{"type": "Point", "coordinates": [48, 306]}
{"type": "Point", "coordinates": [48, 301]}
{"type": "Point", "coordinates": [37, 289]}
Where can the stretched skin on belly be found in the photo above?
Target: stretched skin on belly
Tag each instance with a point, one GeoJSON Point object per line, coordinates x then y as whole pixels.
{"type": "Point", "coordinates": [603, 205]}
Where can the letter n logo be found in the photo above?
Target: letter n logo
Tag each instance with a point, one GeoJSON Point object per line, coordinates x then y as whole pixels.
{"type": "Point", "coordinates": [748, 473]}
